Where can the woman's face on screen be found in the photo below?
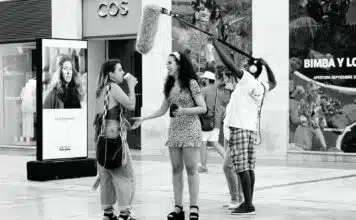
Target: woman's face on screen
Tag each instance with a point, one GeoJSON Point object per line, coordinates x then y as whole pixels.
{"type": "Point", "coordinates": [67, 71]}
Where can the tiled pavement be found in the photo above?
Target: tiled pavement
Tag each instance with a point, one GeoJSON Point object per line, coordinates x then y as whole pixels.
{"type": "Point", "coordinates": [283, 191]}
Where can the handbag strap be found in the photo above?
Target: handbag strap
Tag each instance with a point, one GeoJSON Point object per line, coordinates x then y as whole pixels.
{"type": "Point", "coordinates": [106, 107]}
{"type": "Point", "coordinates": [216, 98]}
{"type": "Point", "coordinates": [124, 124]}
{"type": "Point", "coordinates": [192, 96]}
{"type": "Point", "coordinates": [259, 113]}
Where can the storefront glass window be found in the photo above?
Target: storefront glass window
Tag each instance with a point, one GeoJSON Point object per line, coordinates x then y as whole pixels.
{"type": "Point", "coordinates": [17, 94]}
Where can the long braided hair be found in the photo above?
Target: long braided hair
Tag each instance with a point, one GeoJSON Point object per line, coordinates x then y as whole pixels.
{"type": "Point", "coordinates": [104, 82]}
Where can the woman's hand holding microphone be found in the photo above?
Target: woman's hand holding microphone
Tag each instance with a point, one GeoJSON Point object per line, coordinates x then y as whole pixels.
{"type": "Point", "coordinates": [175, 110]}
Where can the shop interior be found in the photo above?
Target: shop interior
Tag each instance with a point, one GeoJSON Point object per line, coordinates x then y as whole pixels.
{"type": "Point", "coordinates": [132, 63]}
{"type": "Point", "coordinates": [18, 89]}
{"type": "Point", "coordinates": [18, 94]}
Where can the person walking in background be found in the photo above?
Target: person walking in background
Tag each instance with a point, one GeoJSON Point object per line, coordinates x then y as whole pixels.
{"type": "Point", "coordinates": [211, 97]}
{"type": "Point", "coordinates": [183, 96]}
{"type": "Point", "coordinates": [312, 120]}
{"type": "Point", "coordinates": [296, 93]}
{"type": "Point", "coordinates": [226, 82]}
{"type": "Point", "coordinates": [242, 119]}
{"type": "Point", "coordinates": [115, 184]}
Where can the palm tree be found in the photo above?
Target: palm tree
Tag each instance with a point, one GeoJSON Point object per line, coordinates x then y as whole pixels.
{"type": "Point", "coordinates": [239, 24]}
{"type": "Point", "coordinates": [302, 31]}
{"type": "Point", "coordinates": [238, 18]}
{"type": "Point", "coordinates": [241, 37]}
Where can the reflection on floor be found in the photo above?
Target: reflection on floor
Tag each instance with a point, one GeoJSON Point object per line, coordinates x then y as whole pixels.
{"type": "Point", "coordinates": [283, 192]}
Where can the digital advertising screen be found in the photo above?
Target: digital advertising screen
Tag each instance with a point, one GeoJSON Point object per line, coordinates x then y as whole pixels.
{"type": "Point", "coordinates": [62, 114]}
{"type": "Point", "coordinates": [322, 78]}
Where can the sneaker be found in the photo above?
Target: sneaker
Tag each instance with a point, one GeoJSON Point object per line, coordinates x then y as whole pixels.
{"type": "Point", "coordinates": [231, 205]}
{"type": "Point", "coordinates": [226, 205]}
{"type": "Point", "coordinates": [202, 169]}
{"type": "Point", "coordinates": [244, 210]}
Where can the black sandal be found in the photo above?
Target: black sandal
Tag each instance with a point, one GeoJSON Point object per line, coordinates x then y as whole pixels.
{"type": "Point", "coordinates": [111, 216]}
{"type": "Point", "coordinates": [126, 216]}
{"type": "Point", "coordinates": [176, 215]}
{"type": "Point", "coordinates": [194, 215]}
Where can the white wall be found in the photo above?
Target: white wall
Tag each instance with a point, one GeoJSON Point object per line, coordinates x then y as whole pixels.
{"type": "Point", "coordinates": [96, 56]}
{"type": "Point", "coordinates": [271, 41]}
{"type": "Point", "coordinates": [67, 23]}
{"type": "Point", "coordinates": [67, 19]}
{"type": "Point", "coordinates": [154, 132]}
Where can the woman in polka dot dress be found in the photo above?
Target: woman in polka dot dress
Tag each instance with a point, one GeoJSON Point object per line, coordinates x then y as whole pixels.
{"type": "Point", "coordinates": [184, 99]}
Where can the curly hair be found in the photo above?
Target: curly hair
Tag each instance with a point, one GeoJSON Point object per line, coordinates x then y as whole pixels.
{"type": "Point", "coordinates": [186, 73]}
{"type": "Point", "coordinates": [71, 91]}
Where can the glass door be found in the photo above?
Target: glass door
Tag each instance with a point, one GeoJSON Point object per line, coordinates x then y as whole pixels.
{"type": "Point", "coordinates": [18, 94]}
{"type": "Point", "coordinates": [132, 63]}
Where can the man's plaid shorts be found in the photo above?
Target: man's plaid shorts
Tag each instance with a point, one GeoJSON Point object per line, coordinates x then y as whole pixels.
{"type": "Point", "coordinates": [242, 148]}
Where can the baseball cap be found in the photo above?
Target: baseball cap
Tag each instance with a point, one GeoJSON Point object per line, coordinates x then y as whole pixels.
{"type": "Point", "coordinates": [208, 75]}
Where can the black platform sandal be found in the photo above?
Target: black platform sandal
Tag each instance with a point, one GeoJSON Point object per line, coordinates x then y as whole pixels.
{"type": "Point", "coordinates": [194, 215]}
{"type": "Point", "coordinates": [126, 216]}
{"type": "Point", "coordinates": [110, 216]}
{"type": "Point", "coordinates": [176, 215]}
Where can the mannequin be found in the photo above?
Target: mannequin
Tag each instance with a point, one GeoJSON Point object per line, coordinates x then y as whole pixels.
{"type": "Point", "coordinates": [28, 107]}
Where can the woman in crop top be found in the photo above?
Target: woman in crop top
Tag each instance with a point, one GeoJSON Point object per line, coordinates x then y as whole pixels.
{"type": "Point", "coordinates": [115, 184]}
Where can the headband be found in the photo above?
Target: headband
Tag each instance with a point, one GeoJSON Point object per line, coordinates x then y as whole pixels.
{"type": "Point", "coordinates": [176, 55]}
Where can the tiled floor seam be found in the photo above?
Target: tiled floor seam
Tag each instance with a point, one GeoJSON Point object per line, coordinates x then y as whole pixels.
{"type": "Point", "coordinates": [305, 182]}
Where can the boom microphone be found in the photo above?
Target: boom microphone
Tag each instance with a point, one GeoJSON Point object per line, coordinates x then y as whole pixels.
{"type": "Point", "coordinates": [148, 29]}
{"type": "Point", "coordinates": [149, 25]}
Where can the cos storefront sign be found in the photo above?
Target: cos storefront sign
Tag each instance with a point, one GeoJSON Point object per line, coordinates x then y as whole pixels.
{"type": "Point", "coordinates": [99, 18]}
{"type": "Point", "coordinates": [113, 8]}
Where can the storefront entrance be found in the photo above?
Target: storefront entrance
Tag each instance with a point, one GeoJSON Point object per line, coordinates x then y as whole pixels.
{"type": "Point", "coordinates": [17, 94]}
{"type": "Point", "coordinates": [132, 63]}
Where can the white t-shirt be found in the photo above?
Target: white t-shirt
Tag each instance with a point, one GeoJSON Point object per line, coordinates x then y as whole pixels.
{"type": "Point", "coordinates": [242, 110]}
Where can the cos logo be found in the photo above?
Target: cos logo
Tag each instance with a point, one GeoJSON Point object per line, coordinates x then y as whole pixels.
{"type": "Point", "coordinates": [113, 9]}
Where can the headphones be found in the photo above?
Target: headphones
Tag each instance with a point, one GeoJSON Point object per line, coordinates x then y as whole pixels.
{"type": "Point", "coordinates": [255, 67]}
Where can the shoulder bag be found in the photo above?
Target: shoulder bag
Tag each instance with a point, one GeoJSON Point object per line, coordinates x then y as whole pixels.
{"type": "Point", "coordinates": [109, 151]}
{"type": "Point", "coordinates": [207, 122]}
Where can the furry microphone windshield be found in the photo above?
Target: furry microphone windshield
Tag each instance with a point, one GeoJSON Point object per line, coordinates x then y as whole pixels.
{"type": "Point", "coordinates": [148, 28]}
